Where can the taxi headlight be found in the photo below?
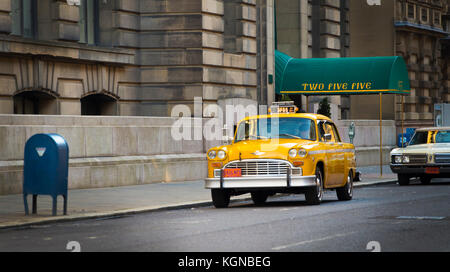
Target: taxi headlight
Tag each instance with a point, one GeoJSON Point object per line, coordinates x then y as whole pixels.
{"type": "Point", "coordinates": [221, 154]}
{"type": "Point", "coordinates": [302, 153]}
{"type": "Point", "coordinates": [398, 159]}
{"type": "Point", "coordinates": [405, 159]}
{"type": "Point", "coordinates": [293, 153]}
{"type": "Point", "coordinates": [212, 154]}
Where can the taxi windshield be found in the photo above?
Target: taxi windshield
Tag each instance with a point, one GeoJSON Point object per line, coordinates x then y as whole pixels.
{"type": "Point", "coordinates": [273, 128]}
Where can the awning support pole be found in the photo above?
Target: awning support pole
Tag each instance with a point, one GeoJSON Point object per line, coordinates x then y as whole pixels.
{"type": "Point", "coordinates": [403, 118]}
{"type": "Point", "coordinates": [381, 134]}
{"type": "Point", "coordinates": [307, 104]}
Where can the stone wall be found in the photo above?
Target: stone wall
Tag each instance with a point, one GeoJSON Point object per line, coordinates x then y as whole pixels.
{"type": "Point", "coordinates": [106, 151]}
{"type": "Point", "coordinates": [367, 140]}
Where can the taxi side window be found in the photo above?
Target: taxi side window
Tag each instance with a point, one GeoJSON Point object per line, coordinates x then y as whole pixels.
{"type": "Point", "coordinates": [326, 128]}
{"type": "Point", "coordinates": [336, 133]}
{"type": "Point", "coordinates": [321, 128]}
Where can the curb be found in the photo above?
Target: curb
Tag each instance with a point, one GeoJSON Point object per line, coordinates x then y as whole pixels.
{"type": "Point", "coordinates": [125, 212]}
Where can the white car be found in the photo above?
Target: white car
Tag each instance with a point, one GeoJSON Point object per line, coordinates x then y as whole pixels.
{"type": "Point", "coordinates": [426, 156]}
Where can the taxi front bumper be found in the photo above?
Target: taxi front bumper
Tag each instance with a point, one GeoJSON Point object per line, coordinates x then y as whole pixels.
{"type": "Point", "coordinates": [260, 182]}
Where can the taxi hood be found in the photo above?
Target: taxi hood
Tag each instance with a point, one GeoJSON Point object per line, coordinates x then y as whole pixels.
{"type": "Point", "coordinates": [264, 149]}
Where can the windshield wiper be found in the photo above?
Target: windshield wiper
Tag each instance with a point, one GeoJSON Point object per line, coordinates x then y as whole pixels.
{"type": "Point", "coordinates": [290, 135]}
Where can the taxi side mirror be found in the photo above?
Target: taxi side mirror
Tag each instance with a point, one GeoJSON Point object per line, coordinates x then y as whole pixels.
{"type": "Point", "coordinates": [327, 137]}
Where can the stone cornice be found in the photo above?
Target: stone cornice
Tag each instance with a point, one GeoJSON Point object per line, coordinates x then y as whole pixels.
{"type": "Point", "coordinates": [66, 50]}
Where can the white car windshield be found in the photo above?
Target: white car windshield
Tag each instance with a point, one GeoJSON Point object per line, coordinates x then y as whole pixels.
{"type": "Point", "coordinates": [442, 136]}
{"type": "Point", "coordinates": [421, 137]}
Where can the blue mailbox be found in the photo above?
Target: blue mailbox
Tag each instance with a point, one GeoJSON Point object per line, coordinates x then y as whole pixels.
{"type": "Point", "coordinates": [46, 167]}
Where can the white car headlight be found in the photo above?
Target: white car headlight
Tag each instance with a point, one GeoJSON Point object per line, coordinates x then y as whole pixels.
{"type": "Point", "coordinates": [405, 159]}
{"type": "Point", "coordinates": [398, 159]}
{"type": "Point", "coordinates": [212, 154]}
{"type": "Point", "coordinates": [302, 153]}
{"type": "Point", "coordinates": [221, 154]}
{"type": "Point", "coordinates": [293, 153]}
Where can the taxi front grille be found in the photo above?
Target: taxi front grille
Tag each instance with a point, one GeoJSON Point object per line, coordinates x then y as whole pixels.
{"type": "Point", "coordinates": [442, 158]}
{"type": "Point", "coordinates": [262, 167]}
{"type": "Point", "coordinates": [417, 159]}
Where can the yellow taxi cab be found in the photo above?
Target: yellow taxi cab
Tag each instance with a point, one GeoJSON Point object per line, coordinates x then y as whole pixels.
{"type": "Point", "coordinates": [298, 153]}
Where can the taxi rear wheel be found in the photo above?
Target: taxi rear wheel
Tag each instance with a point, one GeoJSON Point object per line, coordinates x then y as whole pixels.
{"type": "Point", "coordinates": [314, 195]}
{"type": "Point", "coordinates": [259, 197]}
{"type": "Point", "coordinates": [346, 193]}
{"type": "Point", "coordinates": [220, 198]}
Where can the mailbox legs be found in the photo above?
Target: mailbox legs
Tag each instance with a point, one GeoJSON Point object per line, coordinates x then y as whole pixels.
{"type": "Point", "coordinates": [55, 199]}
{"type": "Point", "coordinates": [25, 202]}
{"type": "Point", "coordinates": [34, 204]}
{"type": "Point", "coordinates": [54, 204]}
{"type": "Point", "coordinates": [65, 205]}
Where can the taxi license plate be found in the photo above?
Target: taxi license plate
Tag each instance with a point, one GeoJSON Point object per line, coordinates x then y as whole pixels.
{"type": "Point", "coordinates": [432, 170]}
{"type": "Point", "coordinates": [232, 173]}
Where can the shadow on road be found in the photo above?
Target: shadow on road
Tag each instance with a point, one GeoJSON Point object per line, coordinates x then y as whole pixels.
{"type": "Point", "coordinates": [434, 182]}
{"type": "Point", "coordinates": [273, 203]}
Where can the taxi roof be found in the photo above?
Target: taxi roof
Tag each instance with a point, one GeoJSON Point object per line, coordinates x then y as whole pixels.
{"type": "Point", "coordinates": [433, 128]}
{"type": "Point", "coordinates": [290, 115]}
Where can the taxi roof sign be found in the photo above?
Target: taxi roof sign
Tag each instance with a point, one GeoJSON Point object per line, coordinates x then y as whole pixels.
{"type": "Point", "coordinates": [283, 107]}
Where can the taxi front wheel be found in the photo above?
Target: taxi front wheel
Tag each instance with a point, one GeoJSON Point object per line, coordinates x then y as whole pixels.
{"type": "Point", "coordinates": [314, 195]}
{"type": "Point", "coordinates": [220, 198]}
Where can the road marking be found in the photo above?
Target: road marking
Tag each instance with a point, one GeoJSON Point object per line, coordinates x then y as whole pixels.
{"type": "Point", "coordinates": [313, 241]}
{"type": "Point", "coordinates": [287, 209]}
{"type": "Point", "coordinates": [422, 217]}
{"type": "Point", "coordinates": [191, 222]}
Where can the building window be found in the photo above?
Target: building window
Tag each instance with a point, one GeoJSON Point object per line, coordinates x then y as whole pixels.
{"type": "Point", "coordinates": [24, 18]}
{"type": "Point", "coordinates": [411, 11]}
{"type": "Point", "coordinates": [437, 18]}
{"type": "Point", "coordinates": [89, 24]}
{"type": "Point", "coordinates": [424, 15]}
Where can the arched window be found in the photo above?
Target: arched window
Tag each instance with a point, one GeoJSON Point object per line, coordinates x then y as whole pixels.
{"type": "Point", "coordinates": [98, 104]}
{"type": "Point", "coordinates": [24, 18]}
{"type": "Point", "coordinates": [35, 102]}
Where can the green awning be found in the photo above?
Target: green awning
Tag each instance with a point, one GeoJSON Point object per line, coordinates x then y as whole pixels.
{"type": "Point", "coordinates": [340, 76]}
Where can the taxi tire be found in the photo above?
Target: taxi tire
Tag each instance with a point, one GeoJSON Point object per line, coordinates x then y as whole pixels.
{"type": "Point", "coordinates": [425, 180]}
{"type": "Point", "coordinates": [220, 198]}
{"type": "Point", "coordinates": [259, 197]}
{"type": "Point", "coordinates": [312, 195]}
{"type": "Point", "coordinates": [346, 193]}
{"type": "Point", "coordinates": [403, 180]}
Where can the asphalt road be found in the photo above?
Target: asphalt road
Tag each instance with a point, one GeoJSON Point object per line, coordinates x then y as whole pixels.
{"type": "Point", "coordinates": [387, 218]}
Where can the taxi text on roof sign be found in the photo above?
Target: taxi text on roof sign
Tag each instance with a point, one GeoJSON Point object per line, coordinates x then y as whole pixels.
{"type": "Point", "coordinates": [283, 107]}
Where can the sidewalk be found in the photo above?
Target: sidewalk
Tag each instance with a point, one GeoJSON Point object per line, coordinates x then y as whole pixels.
{"type": "Point", "coordinates": [107, 202]}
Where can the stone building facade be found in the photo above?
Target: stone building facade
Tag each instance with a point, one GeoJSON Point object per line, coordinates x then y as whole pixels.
{"type": "Point", "coordinates": [133, 57]}
{"type": "Point", "coordinates": [411, 29]}
{"type": "Point", "coordinates": [315, 29]}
